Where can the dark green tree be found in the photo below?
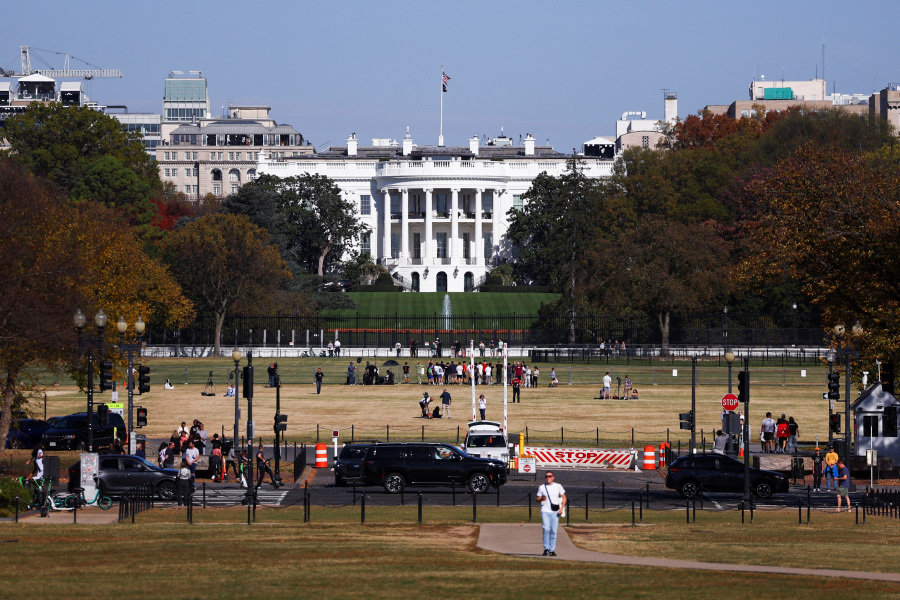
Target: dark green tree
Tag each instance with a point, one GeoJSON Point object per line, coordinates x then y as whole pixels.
{"type": "Point", "coordinates": [114, 185]}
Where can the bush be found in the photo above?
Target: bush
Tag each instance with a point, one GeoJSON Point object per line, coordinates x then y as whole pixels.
{"type": "Point", "coordinates": [384, 279]}
{"type": "Point", "coordinates": [375, 288]}
{"type": "Point", "coordinates": [9, 489]}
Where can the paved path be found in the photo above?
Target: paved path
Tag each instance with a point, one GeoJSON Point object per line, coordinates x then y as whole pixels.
{"type": "Point", "coordinates": [525, 540]}
{"type": "Point", "coordinates": [86, 516]}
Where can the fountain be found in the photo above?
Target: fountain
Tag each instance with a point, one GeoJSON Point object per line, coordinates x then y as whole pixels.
{"type": "Point", "coordinates": [447, 313]}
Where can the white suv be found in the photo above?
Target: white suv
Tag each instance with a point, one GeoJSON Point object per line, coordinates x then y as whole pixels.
{"type": "Point", "coordinates": [486, 439]}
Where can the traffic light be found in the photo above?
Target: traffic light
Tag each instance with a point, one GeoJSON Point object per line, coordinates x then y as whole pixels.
{"type": "Point", "coordinates": [835, 423]}
{"type": "Point", "coordinates": [143, 379]}
{"type": "Point", "coordinates": [280, 423]}
{"type": "Point", "coordinates": [102, 415]}
{"type": "Point", "coordinates": [834, 386]}
{"type": "Point", "coordinates": [687, 420]}
{"type": "Point", "coordinates": [141, 417]}
{"type": "Point", "coordinates": [106, 375]}
{"type": "Point", "coordinates": [743, 387]}
{"type": "Point", "coordinates": [248, 382]}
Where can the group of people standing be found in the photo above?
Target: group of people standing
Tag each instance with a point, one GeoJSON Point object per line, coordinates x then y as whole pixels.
{"type": "Point", "coordinates": [779, 436]}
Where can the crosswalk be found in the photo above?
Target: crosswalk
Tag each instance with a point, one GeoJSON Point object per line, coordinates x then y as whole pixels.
{"type": "Point", "coordinates": [234, 496]}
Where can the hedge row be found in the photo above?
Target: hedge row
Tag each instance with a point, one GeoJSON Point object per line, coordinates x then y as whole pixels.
{"type": "Point", "coordinates": [517, 289]}
{"type": "Point", "coordinates": [376, 288]}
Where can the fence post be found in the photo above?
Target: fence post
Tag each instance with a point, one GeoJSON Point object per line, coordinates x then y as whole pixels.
{"type": "Point", "coordinates": [17, 509]}
{"type": "Point", "coordinates": [362, 511]}
{"type": "Point", "coordinates": [587, 502]}
{"type": "Point", "coordinates": [388, 433]}
{"type": "Point", "coordinates": [598, 437]}
{"type": "Point", "coordinates": [204, 494]}
{"type": "Point", "coordinates": [632, 513]}
{"type": "Point", "coordinates": [562, 436]}
{"type": "Point", "coordinates": [474, 508]}
{"type": "Point", "coordinates": [423, 432]}
{"type": "Point", "coordinates": [603, 494]}
{"type": "Point", "coordinates": [498, 496]}
{"type": "Point", "coordinates": [420, 508]}
{"type": "Point", "coordinates": [529, 508]}
{"type": "Point", "coordinates": [453, 488]}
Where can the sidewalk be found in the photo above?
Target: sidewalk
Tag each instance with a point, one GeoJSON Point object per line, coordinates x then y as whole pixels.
{"type": "Point", "coordinates": [525, 540]}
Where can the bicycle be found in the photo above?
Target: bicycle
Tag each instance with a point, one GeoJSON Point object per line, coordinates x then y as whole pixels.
{"type": "Point", "coordinates": [79, 500]}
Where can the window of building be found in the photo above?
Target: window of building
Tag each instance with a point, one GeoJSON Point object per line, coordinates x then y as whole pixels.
{"type": "Point", "coordinates": [251, 174]}
{"type": "Point", "coordinates": [395, 245]}
{"type": "Point", "coordinates": [187, 172]}
{"type": "Point", "coordinates": [234, 188]}
{"type": "Point", "coordinates": [187, 156]}
{"type": "Point", "coordinates": [365, 243]}
{"type": "Point", "coordinates": [417, 245]}
{"type": "Point", "coordinates": [195, 172]}
{"type": "Point", "coordinates": [166, 172]}
{"type": "Point", "coordinates": [395, 205]}
{"type": "Point", "coordinates": [196, 189]}
{"type": "Point", "coordinates": [217, 190]}
{"type": "Point", "coordinates": [216, 175]}
{"type": "Point", "coordinates": [645, 141]}
{"type": "Point", "coordinates": [488, 245]}
{"type": "Point", "coordinates": [442, 244]}
{"type": "Point", "coordinates": [487, 205]}
{"type": "Point", "coordinates": [365, 205]}
{"type": "Point", "coordinates": [234, 175]}
{"type": "Point", "coordinates": [468, 282]}
{"type": "Point", "coordinates": [415, 282]}
{"type": "Point", "coordinates": [195, 155]}
{"type": "Point", "coordinates": [466, 250]}
{"type": "Point", "coordinates": [212, 156]}
{"type": "Point", "coordinates": [187, 189]}
{"type": "Point", "coordinates": [745, 113]}
{"type": "Point", "coordinates": [442, 204]}
{"type": "Point", "coordinates": [517, 202]}
{"type": "Point", "coordinates": [166, 155]}
{"type": "Point", "coordinates": [231, 156]}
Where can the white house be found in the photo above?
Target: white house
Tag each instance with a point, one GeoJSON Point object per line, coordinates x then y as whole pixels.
{"type": "Point", "coordinates": [437, 214]}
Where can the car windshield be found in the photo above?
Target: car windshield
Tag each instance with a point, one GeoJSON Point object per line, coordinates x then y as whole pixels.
{"type": "Point", "coordinates": [485, 441]}
{"type": "Point", "coordinates": [71, 423]}
{"type": "Point", "coordinates": [145, 462]}
{"type": "Point", "coordinates": [351, 452]}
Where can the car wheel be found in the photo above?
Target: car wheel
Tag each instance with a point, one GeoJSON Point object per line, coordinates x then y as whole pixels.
{"type": "Point", "coordinates": [479, 483]}
{"type": "Point", "coordinates": [689, 489]}
{"type": "Point", "coordinates": [166, 490]}
{"type": "Point", "coordinates": [763, 490]}
{"type": "Point", "coordinates": [394, 483]}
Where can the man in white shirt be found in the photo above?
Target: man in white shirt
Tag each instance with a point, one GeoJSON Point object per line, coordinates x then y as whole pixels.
{"type": "Point", "coordinates": [552, 497]}
{"type": "Point", "coordinates": [607, 386]}
{"type": "Point", "coordinates": [337, 347]}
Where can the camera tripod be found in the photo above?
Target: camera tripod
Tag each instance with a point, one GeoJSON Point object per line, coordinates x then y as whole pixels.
{"type": "Point", "coordinates": [210, 389]}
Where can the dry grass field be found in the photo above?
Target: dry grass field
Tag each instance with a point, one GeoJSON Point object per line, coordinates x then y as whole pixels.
{"type": "Point", "coordinates": [368, 411]}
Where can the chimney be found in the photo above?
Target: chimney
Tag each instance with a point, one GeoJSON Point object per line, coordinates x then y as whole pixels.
{"type": "Point", "coordinates": [352, 145]}
{"type": "Point", "coordinates": [529, 145]}
{"type": "Point", "coordinates": [671, 108]}
{"type": "Point", "coordinates": [407, 143]}
{"type": "Point", "coordinates": [473, 145]}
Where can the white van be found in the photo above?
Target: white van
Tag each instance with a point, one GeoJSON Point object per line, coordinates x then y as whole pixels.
{"type": "Point", "coordinates": [486, 439]}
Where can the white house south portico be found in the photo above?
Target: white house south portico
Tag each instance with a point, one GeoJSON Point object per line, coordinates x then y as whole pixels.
{"type": "Point", "coordinates": [437, 215]}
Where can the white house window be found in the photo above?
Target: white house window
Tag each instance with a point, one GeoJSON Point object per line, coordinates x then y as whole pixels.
{"type": "Point", "coordinates": [467, 252]}
{"type": "Point", "coordinates": [517, 202]}
{"type": "Point", "coordinates": [365, 205]}
{"type": "Point", "coordinates": [487, 205]}
{"type": "Point", "coordinates": [395, 245]}
{"type": "Point", "coordinates": [488, 245]}
{"type": "Point", "coordinates": [442, 245]}
{"type": "Point", "coordinates": [417, 245]}
{"type": "Point", "coordinates": [365, 243]}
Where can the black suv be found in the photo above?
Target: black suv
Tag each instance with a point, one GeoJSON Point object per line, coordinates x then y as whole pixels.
{"type": "Point", "coordinates": [348, 466]}
{"type": "Point", "coordinates": [693, 475]}
{"type": "Point", "coordinates": [397, 465]}
{"type": "Point", "coordinates": [70, 432]}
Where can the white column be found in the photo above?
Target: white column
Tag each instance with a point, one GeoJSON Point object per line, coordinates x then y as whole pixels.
{"type": "Point", "coordinates": [479, 243]}
{"type": "Point", "coordinates": [404, 227]}
{"type": "Point", "coordinates": [454, 223]}
{"type": "Point", "coordinates": [426, 251]}
{"type": "Point", "coordinates": [386, 248]}
{"type": "Point", "coordinates": [499, 201]}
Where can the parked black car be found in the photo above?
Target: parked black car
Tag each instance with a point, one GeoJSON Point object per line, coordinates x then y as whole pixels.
{"type": "Point", "coordinates": [118, 472]}
{"type": "Point", "coordinates": [349, 463]}
{"type": "Point", "coordinates": [70, 432]}
{"type": "Point", "coordinates": [693, 475]}
{"type": "Point", "coordinates": [25, 433]}
{"type": "Point", "coordinates": [396, 465]}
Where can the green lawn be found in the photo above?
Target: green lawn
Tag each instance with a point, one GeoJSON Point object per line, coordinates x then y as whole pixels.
{"type": "Point", "coordinates": [429, 303]}
{"type": "Point", "coordinates": [161, 556]}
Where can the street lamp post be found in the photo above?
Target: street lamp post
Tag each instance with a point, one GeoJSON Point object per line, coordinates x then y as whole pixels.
{"type": "Point", "coordinates": [745, 431]}
{"type": "Point", "coordinates": [729, 358]}
{"type": "Point", "coordinates": [694, 403]}
{"type": "Point", "coordinates": [130, 349]}
{"type": "Point", "coordinates": [829, 356]}
{"type": "Point", "coordinates": [847, 352]}
{"type": "Point", "coordinates": [794, 315]}
{"type": "Point", "coordinates": [236, 355]}
{"type": "Point", "coordinates": [79, 320]}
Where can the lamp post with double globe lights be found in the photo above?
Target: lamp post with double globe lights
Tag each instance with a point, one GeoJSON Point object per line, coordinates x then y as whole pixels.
{"type": "Point", "coordinates": [130, 349]}
{"type": "Point", "coordinates": [91, 343]}
{"type": "Point", "coordinates": [846, 352]}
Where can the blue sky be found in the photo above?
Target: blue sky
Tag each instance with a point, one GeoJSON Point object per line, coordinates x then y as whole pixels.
{"type": "Point", "coordinates": [563, 71]}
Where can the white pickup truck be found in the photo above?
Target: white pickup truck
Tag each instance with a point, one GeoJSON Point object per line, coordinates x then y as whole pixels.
{"type": "Point", "coordinates": [487, 439]}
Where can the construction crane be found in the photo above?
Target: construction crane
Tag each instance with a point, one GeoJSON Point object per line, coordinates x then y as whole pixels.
{"type": "Point", "coordinates": [65, 71]}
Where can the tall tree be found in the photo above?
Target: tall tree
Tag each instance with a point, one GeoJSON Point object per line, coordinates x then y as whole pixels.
{"type": "Point", "coordinates": [221, 258]}
{"type": "Point", "coordinates": [58, 258]}
{"type": "Point", "coordinates": [60, 143]}
{"type": "Point", "coordinates": [829, 219]}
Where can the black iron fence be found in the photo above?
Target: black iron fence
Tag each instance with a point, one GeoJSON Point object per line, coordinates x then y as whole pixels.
{"type": "Point", "coordinates": [517, 330]}
{"type": "Point", "coordinates": [134, 501]}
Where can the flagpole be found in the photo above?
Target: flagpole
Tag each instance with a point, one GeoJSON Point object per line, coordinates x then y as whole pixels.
{"type": "Point", "coordinates": [441, 136]}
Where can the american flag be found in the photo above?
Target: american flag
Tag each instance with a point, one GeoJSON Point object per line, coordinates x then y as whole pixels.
{"type": "Point", "coordinates": [445, 78]}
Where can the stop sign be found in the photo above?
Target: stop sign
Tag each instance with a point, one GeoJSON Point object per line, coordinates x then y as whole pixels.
{"type": "Point", "coordinates": [729, 402]}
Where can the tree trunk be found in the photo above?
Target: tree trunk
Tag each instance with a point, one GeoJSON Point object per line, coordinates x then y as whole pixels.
{"type": "Point", "coordinates": [322, 260]}
{"type": "Point", "coordinates": [663, 319]}
{"type": "Point", "coordinates": [9, 394]}
{"type": "Point", "coordinates": [220, 322]}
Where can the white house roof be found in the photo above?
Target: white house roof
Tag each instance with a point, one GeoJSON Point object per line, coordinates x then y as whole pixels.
{"type": "Point", "coordinates": [873, 399]}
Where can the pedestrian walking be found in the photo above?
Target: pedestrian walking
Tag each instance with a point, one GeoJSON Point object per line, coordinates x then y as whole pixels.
{"type": "Point", "coordinates": [552, 497]}
{"type": "Point", "coordinates": [793, 428]}
{"type": "Point", "coordinates": [516, 385]}
{"type": "Point", "coordinates": [319, 377]}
